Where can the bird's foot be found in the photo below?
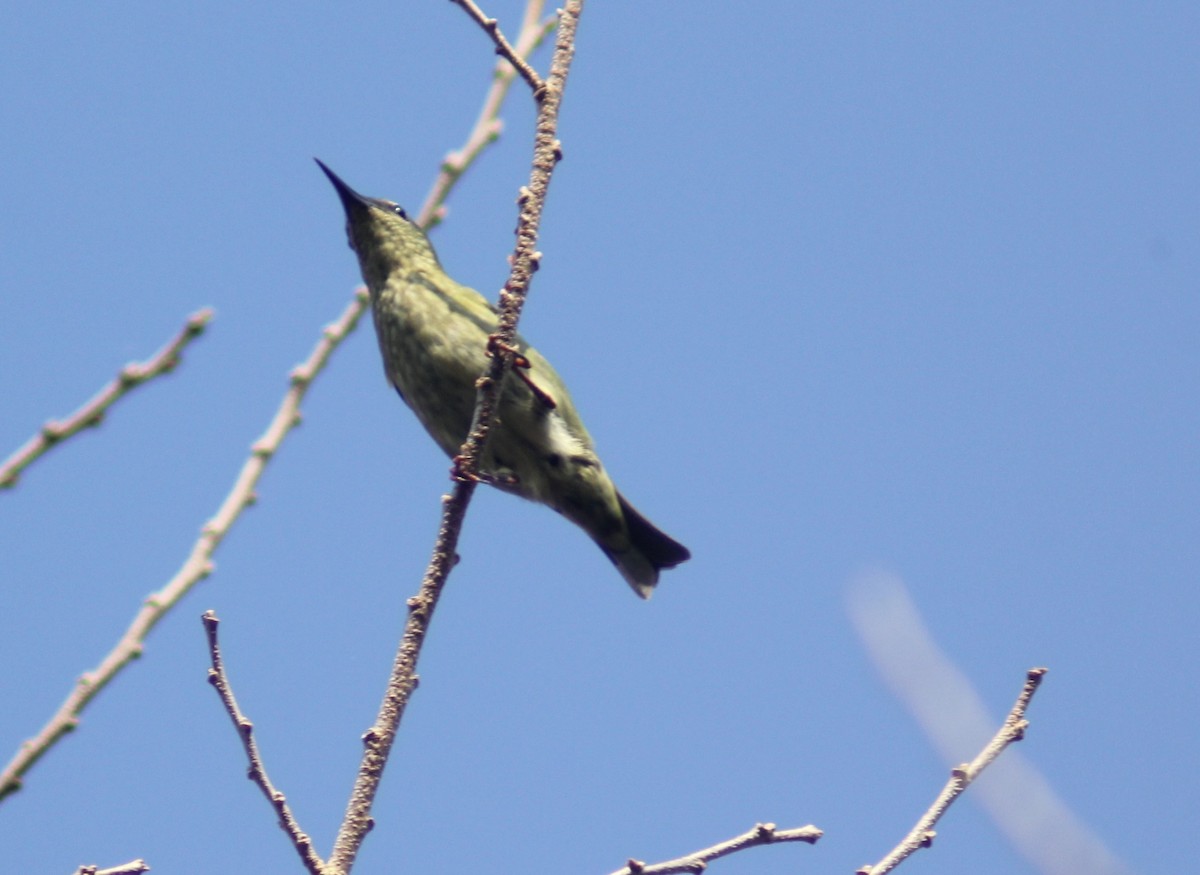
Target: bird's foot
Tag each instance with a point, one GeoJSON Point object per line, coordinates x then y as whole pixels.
{"type": "Point", "coordinates": [521, 364]}
{"type": "Point", "coordinates": [464, 473]}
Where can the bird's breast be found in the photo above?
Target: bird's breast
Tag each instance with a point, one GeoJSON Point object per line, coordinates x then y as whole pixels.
{"type": "Point", "coordinates": [432, 353]}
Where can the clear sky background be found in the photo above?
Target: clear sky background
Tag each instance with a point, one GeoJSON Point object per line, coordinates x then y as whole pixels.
{"type": "Point", "coordinates": [898, 290]}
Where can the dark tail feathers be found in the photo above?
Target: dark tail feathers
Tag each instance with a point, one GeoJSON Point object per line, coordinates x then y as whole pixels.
{"type": "Point", "coordinates": [657, 550]}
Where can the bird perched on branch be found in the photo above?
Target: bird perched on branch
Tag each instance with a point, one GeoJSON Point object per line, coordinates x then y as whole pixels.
{"type": "Point", "coordinates": [433, 333]}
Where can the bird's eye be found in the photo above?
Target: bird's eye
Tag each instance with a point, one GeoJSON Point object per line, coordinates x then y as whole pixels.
{"type": "Point", "coordinates": [390, 206]}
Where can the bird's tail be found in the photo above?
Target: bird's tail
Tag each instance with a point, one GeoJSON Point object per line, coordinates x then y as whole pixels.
{"type": "Point", "coordinates": [650, 550]}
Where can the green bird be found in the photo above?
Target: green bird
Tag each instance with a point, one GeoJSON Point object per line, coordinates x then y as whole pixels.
{"type": "Point", "coordinates": [433, 335]}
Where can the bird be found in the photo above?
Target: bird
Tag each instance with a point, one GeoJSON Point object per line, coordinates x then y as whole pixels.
{"type": "Point", "coordinates": [433, 337]}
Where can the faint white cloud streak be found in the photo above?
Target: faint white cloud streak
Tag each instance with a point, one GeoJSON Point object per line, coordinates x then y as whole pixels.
{"type": "Point", "coordinates": [1017, 797]}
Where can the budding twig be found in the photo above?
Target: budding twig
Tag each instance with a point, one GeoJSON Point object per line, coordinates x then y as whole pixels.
{"type": "Point", "coordinates": [245, 730]}
{"type": "Point", "coordinates": [923, 834]}
{"type": "Point", "coordinates": [133, 867]}
{"type": "Point", "coordinates": [92, 413]}
{"type": "Point", "coordinates": [697, 861]}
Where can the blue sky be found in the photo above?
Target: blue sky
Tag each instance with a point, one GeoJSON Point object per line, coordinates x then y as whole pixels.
{"type": "Point", "coordinates": [842, 291]}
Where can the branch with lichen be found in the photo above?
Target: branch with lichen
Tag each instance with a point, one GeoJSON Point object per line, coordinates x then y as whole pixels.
{"type": "Point", "coordinates": [92, 413]}
{"type": "Point", "coordinates": [379, 738]}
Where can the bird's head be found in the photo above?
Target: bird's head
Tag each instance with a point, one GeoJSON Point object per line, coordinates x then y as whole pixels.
{"type": "Point", "coordinates": [381, 234]}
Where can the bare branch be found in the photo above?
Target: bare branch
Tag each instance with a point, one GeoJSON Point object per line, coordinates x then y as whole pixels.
{"type": "Point", "coordinates": [379, 738]}
{"type": "Point", "coordinates": [697, 861]}
{"type": "Point", "coordinates": [503, 49]}
{"type": "Point", "coordinates": [133, 867]}
{"type": "Point", "coordinates": [92, 413]}
{"type": "Point", "coordinates": [257, 772]}
{"type": "Point", "coordinates": [488, 125]}
{"type": "Point", "coordinates": [197, 566]}
{"type": "Point", "coordinates": [923, 834]}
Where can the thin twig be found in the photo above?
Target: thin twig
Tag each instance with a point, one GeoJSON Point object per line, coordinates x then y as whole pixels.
{"type": "Point", "coordinates": [923, 834]}
{"type": "Point", "coordinates": [197, 566]}
{"type": "Point", "coordinates": [92, 413]}
{"type": "Point", "coordinates": [379, 738]}
{"type": "Point", "coordinates": [133, 867]}
{"type": "Point", "coordinates": [257, 772]}
{"type": "Point", "coordinates": [488, 125]}
{"type": "Point", "coordinates": [697, 861]}
{"type": "Point", "coordinates": [503, 49]}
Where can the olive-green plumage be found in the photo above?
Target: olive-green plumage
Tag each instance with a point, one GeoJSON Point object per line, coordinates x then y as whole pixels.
{"type": "Point", "coordinates": [433, 334]}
